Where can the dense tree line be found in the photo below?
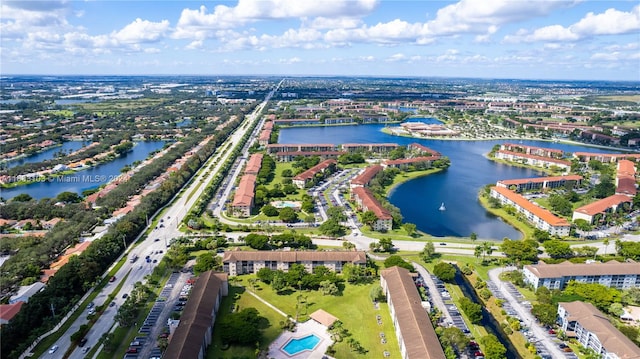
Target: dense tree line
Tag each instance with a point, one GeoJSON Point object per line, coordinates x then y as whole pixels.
{"type": "Point", "coordinates": [297, 277]}
{"type": "Point", "coordinates": [105, 144]}
{"type": "Point", "coordinates": [265, 242]}
{"type": "Point", "coordinates": [74, 279]}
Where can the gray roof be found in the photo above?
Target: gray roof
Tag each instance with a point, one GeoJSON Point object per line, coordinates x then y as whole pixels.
{"type": "Point", "coordinates": [568, 269]}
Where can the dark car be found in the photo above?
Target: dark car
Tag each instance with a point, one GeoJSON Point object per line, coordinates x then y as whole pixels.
{"type": "Point", "coordinates": [82, 342]}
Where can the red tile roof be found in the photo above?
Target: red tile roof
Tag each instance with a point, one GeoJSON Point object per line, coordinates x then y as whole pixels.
{"type": "Point", "coordinates": [540, 212]}
{"type": "Point", "coordinates": [254, 164]}
{"type": "Point", "coordinates": [371, 203]}
{"type": "Point", "coordinates": [8, 311]}
{"type": "Point", "coordinates": [539, 158]}
{"type": "Point", "coordinates": [602, 205]}
{"type": "Point", "coordinates": [308, 174]}
{"type": "Point", "coordinates": [365, 177]}
{"type": "Point", "coordinates": [541, 179]}
{"type": "Point", "coordinates": [244, 193]}
{"type": "Point", "coordinates": [423, 148]}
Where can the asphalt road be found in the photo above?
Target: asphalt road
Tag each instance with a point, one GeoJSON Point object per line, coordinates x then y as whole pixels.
{"type": "Point", "coordinates": [156, 241]}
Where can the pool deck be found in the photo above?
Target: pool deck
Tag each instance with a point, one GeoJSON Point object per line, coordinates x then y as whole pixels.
{"type": "Point", "coordinates": [302, 330]}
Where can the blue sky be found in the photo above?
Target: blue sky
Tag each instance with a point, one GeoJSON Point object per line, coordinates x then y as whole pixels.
{"type": "Point", "coordinates": [530, 39]}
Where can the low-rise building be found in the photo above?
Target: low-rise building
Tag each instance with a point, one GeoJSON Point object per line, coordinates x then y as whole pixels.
{"type": "Point", "coordinates": [310, 147]}
{"type": "Point", "coordinates": [254, 164]}
{"type": "Point", "coordinates": [365, 177]}
{"type": "Point", "coordinates": [307, 176]}
{"type": "Point", "coordinates": [612, 274]}
{"type": "Point", "coordinates": [533, 150]}
{"type": "Point", "coordinates": [538, 216]}
{"type": "Point", "coordinates": [366, 201]}
{"type": "Point", "coordinates": [195, 331]}
{"type": "Point", "coordinates": [243, 199]}
{"type": "Point", "coordinates": [291, 156]}
{"type": "Point", "coordinates": [403, 163]}
{"type": "Point", "coordinates": [26, 292]}
{"type": "Point", "coordinates": [369, 147]}
{"type": "Point", "coordinates": [243, 262]}
{"type": "Point", "coordinates": [602, 207]}
{"type": "Point", "coordinates": [594, 331]}
{"type": "Point", "coordinates": [416, 335]}
{"type": "Point", "coordinates": [8, 311]}
{"type": "Point", "coordinates": [540, 183]}
{"type": "Point", "coordinates": [533, 160]}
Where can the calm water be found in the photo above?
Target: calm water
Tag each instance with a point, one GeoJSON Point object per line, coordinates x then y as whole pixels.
{"type": "Point", "coordinates": [420, 199]}
{"type": "Point", "coordinates": [87, 179]}
{"type": "Point", "coordinates": [67, 147]}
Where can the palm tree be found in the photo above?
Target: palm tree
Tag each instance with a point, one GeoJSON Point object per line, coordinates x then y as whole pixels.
{"type": "Point", "coordinates": [606, 244]}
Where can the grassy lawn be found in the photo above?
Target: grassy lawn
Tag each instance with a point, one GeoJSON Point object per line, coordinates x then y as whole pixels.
{"type": "Point", "coordinates": [361, 323]}
{"type": "Point", "coordinates": [524, 228]}
{"type": "Point", "coordinates": [244, 300]}
{"type": "Point", "coordinates": [516, 337]}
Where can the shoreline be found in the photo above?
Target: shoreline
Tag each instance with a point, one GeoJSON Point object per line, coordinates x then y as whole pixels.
{"type": "Point", "coordinates": [565, 141]}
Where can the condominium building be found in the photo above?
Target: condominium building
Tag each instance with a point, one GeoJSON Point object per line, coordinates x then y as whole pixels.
{"type": "Point", "coordinates": [538, 216]}
{"type": "Point", "coordinates": [365, 177]}
{"type": "Point", "coordinates": [403, 163]}
{"type": "Point", "coordinates": [254, 164]}
{"type": "Point", "coordinates": [243, 199]}
{"type": "Point", "coordinates": [311, 147]}
{"type": "Point", "coordinates": [369, 147]}
{"type": "Point", "coordinates": [533, 150]}
{"type": "Point", "coordinates": [195, 331]}
{"type": "Point", "coordinates": [602, 207]}
{"type": "Point", "coordinates": [540, 183]}
{"type": "Point", "coordinates": [416, 335]}
{"type": "Point", "coordinates": [307, 176]}
{"type": "Point", "coordinates": [612, 274]}
{"type": "Point", "coordinates": [242, 262]}
{"type": "Point", "coordinates": [593, 330]}
{"type": "Point", "coordinates": [291, 156]}
{"type": "Point", "coordinates": [533, 160]}
{"type": "Point", "coordinates": [366, 201]}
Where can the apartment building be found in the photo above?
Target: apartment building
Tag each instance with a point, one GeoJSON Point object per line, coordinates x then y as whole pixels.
{"type": "Point", "coordinates": [593, 330]}
{"type": "Point", "coordinates": [243, 262]}
{"type": "Point", "coordinates": [538, 216]}
{"type": "Point", "coordinates": [365, 177]}
{"type": "Point", "coordinates": [416, 335]}
{"type": "Point", "coordinates": [540, 183]}
{"type": "Point", "coordinates": [612, 274]}
{"type": "Point", "coordinates": [307, 176]}
{"type": "Point", "coordinates": [366, 201]}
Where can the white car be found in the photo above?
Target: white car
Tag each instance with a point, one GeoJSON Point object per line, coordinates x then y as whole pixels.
{"type": "Point", "coordinates": [53, 349]}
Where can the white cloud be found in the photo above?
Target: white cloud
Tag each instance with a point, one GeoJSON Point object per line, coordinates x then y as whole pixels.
{"type": "Point", "coordinates": [472, 16]}
{"type": "Point", "coordinates": [141, 31]}
{"type": "Point", "coordinates": [334, 23]}
{"type": "Point", "coordinates": [610, 22]}
{"type": "Point", "coordinates": [201, 24]}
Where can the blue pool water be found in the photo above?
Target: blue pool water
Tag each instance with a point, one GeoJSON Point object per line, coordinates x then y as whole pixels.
{"type": "Point", "coordinates": [297, 345]}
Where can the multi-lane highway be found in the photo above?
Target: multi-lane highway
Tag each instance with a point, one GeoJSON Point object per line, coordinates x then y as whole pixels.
{"type": "Point", "coordinates": [156, 242]}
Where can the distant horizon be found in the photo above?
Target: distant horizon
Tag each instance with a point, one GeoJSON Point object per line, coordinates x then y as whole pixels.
{"type": "Point", "coordinates": [555, 40]}
{"type": "Point", "coordinates": [320, 76]}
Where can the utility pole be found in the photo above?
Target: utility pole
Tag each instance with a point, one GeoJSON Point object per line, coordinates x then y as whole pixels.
{"type": "Point", "coordinates": [124, 243]}
{"type": "Point", "coordinates": [53, 310]}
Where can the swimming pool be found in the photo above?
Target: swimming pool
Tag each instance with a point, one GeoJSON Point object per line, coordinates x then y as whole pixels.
{"type": "Point", "coordinates": [298, 345]}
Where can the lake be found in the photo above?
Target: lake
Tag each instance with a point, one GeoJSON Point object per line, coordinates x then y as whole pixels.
{"type": "Point", "coordinates": [457, 187]}
{"type": "Point", "coordinates": [87, 179]}
{"type": "Point", "coordinates": [66, 147]}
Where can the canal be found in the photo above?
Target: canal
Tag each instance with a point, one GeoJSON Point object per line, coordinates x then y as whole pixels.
{"type": "Point", "coordinates": [87, 179]}
{"type": "Point", "coordinates": [488, 321]}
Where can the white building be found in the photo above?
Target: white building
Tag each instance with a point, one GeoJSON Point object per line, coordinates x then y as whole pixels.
{"type": "Point", "coordinates": [556, 276]}
{"type": "Point", "coordinates": [593, 330]}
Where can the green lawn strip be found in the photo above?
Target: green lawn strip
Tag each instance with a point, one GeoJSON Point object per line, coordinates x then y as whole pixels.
{"type": "Point", "coordinates": [358, 315]}
{"type": "Point", "coordinates": [477, 331]}
{"type": "Point", "coordinates": [525, 228]}
{"type": "Point", "coordinates": [47, 342]}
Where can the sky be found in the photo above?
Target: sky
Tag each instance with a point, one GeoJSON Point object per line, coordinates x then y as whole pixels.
{"type": "Point", "coordinates": [521, 39]}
